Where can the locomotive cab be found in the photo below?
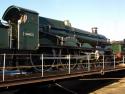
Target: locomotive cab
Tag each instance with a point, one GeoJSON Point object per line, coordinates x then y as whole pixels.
{"type": "Point", "coordinates": [24, 24]}
{"type": "Point", "coordinates": [4, 35]}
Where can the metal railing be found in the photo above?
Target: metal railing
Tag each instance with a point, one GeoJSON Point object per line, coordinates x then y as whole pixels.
{"type": "Point", "coordinates": [46, 65]}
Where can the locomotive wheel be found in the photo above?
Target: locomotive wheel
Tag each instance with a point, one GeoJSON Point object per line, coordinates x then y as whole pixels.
{"type": "Point", "coordinates": [83, 61]}
{"type": "Point", "coordinates": [73, 59]}
{"type": "Point", "coordinates": [49, 64]}
{"type": "Point", "coordinates": [63, 62]}
{"type": "Point", "coordinates": [36, 61]}
{"type": "Point", "coordinates": [59, 61]}
{"type": "Point", "coordinates": [78, 65]}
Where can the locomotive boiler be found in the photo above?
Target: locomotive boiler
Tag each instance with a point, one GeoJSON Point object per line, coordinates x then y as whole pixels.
{"type": "Point", "coordinates": [25, 32]}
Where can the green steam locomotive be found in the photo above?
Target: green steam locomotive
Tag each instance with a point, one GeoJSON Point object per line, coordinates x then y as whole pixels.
{"type": "Point", "coordinates": [25, 32]}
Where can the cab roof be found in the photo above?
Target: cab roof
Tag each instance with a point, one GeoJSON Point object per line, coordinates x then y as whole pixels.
{"type": "Point", "coordinates": [15, 11]}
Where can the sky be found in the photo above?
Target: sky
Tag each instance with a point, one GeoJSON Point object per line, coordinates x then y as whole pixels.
{"type": "Point", "coordinates": [107, 15]}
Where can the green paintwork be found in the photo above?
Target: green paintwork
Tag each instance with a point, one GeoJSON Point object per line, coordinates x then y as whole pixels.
{"type": "Point", "coordinates": [116, 47]}
{"type": "Point", "coordinates": [32, 31]}
{"type": "Point", "coordinates": [29, 29]}
{"type": "Point", "coordinates": [86, 45]}
{"type": "Point", "coordinates": [53, 23]}
{"type": "Point", "coordinates": [46, 39]}
{"type": "Point", "coordinates": [29, 32]}
{"type": "Point", "coordinates": [108, 47]}
{"type": "Point", "coordinates": [58, 28]}
{"type": "Point", "coordinates": [70, 41]}
{"type": "Point", "coordinates": [4, 38]}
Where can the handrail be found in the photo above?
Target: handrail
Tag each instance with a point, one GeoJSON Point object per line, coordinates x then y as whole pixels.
{"type": "Point", "coordinates": [67, 62]}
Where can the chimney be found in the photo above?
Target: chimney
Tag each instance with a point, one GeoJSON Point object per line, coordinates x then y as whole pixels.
{"type": "Point", "coordinates": [94, 30]}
